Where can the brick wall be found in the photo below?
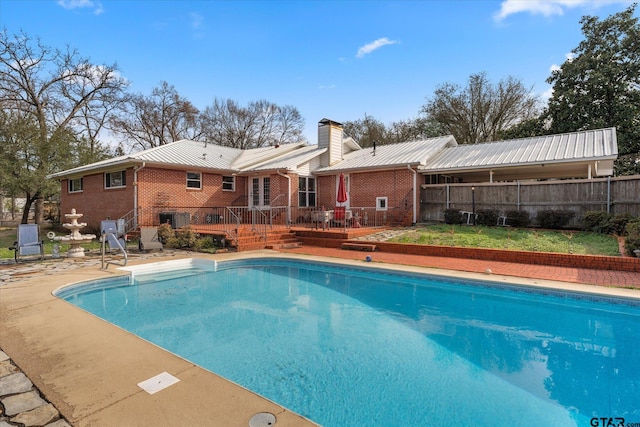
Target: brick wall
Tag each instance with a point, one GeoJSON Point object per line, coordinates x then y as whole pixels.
{"type": "Point", "coordinates": [95, 202]}
{"type": "Point", "coordinates": [168, 188]}
{"type": "Point", "coordinates": [365, 187]}
{"type": "Point", "coordinates": [165, 188]}
{"type": "Point", "coordinates": [522, 257]}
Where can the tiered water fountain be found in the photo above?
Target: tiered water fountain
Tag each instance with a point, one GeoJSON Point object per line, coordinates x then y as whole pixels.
{"type": "Point", "coordinates": [75, 239]}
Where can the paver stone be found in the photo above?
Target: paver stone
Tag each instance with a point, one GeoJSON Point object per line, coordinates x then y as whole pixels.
{"type": "Point", "coordinates": [6, 368]}
{"type": "Point", "coordinates": [37, 417]}
{"type": "Point", "coordinates": [22, 402]}
{"type": "Point", "coordinates": [15, 383]}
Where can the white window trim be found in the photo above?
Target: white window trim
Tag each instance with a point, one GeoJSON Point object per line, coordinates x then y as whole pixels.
{"type": "Point", "coordinates": [123, 173]}
{"type": "Point", "coordinates": [380, 201]}
{"type": "Point", "coordinates": [75, 191]}
{"type": "Point", "coordinates": [199, 180]}
{"type": "Point", "coordinates": [307, 192]}
{"type": "Point", "coordinates": [233, 183]}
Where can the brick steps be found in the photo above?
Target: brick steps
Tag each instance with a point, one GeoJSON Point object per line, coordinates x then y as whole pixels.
{"type": "Point", "coordinates": [281, 239]}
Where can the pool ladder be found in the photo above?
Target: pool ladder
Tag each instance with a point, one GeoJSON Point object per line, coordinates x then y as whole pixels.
{"type": "Point", "coordinates": [112, 239]}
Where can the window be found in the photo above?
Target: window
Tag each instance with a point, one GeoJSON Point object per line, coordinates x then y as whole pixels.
{"type": "Point", "coordinates": [75, 185]}
{"type": "Point", "coordinates": [381, 203]}
{"type": "Point", "coordinates": [115, 179]}
{"type": "Point", "coordinates": [306, 192]}
{"type": "Point", "coordinates": [194, 180]}
{"type": "Point", "coordinates": [228, 183]}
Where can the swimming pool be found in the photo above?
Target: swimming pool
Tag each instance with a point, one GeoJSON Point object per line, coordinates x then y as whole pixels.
{"type": "Point", "coordinates": [351, 346]}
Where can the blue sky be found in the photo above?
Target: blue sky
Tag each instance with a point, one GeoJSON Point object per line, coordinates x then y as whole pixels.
{"type": "Point", "coordinates": [334, 59]}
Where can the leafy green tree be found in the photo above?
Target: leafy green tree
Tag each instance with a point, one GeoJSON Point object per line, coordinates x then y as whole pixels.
{"type": "Point", "coordinates": [26, 160]}
{"type": "Point", "coordinates": [599, 86]}
{"type": "Point", "coordinates": [525, 129]}
{"type": "Point", "coordinates": [52, 102]}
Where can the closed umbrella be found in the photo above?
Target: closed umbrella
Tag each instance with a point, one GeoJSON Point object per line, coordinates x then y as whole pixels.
{"type": "Point", "coordinates": [339, 214]}
{"type": "Point", "coordinates": [342, 190]}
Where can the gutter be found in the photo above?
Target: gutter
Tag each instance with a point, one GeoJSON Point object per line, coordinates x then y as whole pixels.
{"type": "Point", "coordinates": [135, 188]}
{"type": "Point", "coordinates": [288, 195]}
{"type": "Point", "coordinates": [415, 189]}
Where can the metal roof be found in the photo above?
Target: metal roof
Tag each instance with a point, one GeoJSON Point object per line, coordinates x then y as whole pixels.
{"type": "Point", "coordinates": [431, 155]}
{"type": "Point", "coordinates": [190, 154]}
{"type": "Point", "coordinates": [291, 160]}
{"type": "Point", "coordinates": [253, 156]}
{"type": "Point", "coordinates": [392, 155]}
{"type": "Point", "coordinates": [576, 146]}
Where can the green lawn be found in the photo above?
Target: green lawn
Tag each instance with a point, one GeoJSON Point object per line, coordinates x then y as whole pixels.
{"type": "Point", "coordinates": [8, 237]}
{"type": "Point", "coordinates": [575, 242]}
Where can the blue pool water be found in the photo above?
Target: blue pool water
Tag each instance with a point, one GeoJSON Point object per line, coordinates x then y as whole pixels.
{"type": "Point", "coordinates": [359, 347]}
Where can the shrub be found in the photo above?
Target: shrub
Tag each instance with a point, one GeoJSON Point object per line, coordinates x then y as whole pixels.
{"type": "Point", "coordinates": [453, 216]}
{"type": "Point", "coordinates": [616, 224]}
{"type": "Point", "coordinates": [488, 217]}
{"type": "Point", "coordinates": [184, 238]}
{"type": "Point", "coordinates": [602, 222]}
{"type": "Point", "coordinates": [554, 219]}
{"type": "Point", "coordinates": [632, 241]}
{"type": "Point", "coordinates": [165, 232]}
{"type": "Point", "coordinates": [595, 220]}
{"type": "Point", "coordinates": [518, 218]}
{"type": "Point", "coordinates": [204, 244]}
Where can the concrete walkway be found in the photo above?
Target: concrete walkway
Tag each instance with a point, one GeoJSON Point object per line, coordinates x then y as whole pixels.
{"type": "Point", "coordinates": [21, 403]}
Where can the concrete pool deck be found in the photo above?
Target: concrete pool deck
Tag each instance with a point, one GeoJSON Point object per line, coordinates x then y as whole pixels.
{"type": "Point", "coordinates": [89, 369]}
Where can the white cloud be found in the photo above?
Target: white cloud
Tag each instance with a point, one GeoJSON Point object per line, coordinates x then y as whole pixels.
{"type": "Point", "coordinates": [80, 4]}
{"type": "Point", "coordinates": [547, 94]}
{"type": "Point", "coordinates": [555, 67]}
{"type": "Point", "coordinates": [197, 20]}
{"type": "Point", "coordinates": [377, 44]}
{"type": "Point", "coordinates": [547, 7]}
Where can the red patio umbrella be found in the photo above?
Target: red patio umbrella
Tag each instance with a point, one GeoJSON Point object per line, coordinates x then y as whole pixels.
{"type": "Point", "coordinates": [339, 211]}
{"type": "Point", "coordinates": [342, 190]}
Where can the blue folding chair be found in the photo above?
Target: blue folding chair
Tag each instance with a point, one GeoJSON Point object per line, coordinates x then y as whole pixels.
{"type": "Point", "coordinates": [29, 242]}
{"type": "Point", "coordinates": [109, 231]}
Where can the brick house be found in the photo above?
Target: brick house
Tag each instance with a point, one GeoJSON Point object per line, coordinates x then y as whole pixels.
{"type": "Point", "coordinates": [200, 183]}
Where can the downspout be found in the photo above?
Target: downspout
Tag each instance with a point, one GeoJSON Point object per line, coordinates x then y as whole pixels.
{"type": "Point", "coordinates": [288, 195]}
{"type": "Point", "coordinates": [415, 182]}
{"type": "Point", "coordinates": [135, 190]}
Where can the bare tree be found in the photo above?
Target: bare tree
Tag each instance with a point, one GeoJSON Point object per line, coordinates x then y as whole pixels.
{"type": "Point", "coordinates": [260, 124]}
{"type": "Point", "coordinates": [481, 110]}
{"type": "Point", "coordinates": [150, 121]}
{"type": "Point", "coordinates": [57, 95]}
{"type": "Point", "coordinates": [367, 131]}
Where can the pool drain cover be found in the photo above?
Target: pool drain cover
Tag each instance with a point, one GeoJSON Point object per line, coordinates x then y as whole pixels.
{"type": "Point", "coordinates": [262, 419]}
{"type": "Point", "coordinates": [157, 383]}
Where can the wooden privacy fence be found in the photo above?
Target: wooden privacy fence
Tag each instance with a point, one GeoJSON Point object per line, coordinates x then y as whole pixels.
{"type": "Point", "coordinates": [614, 195]}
